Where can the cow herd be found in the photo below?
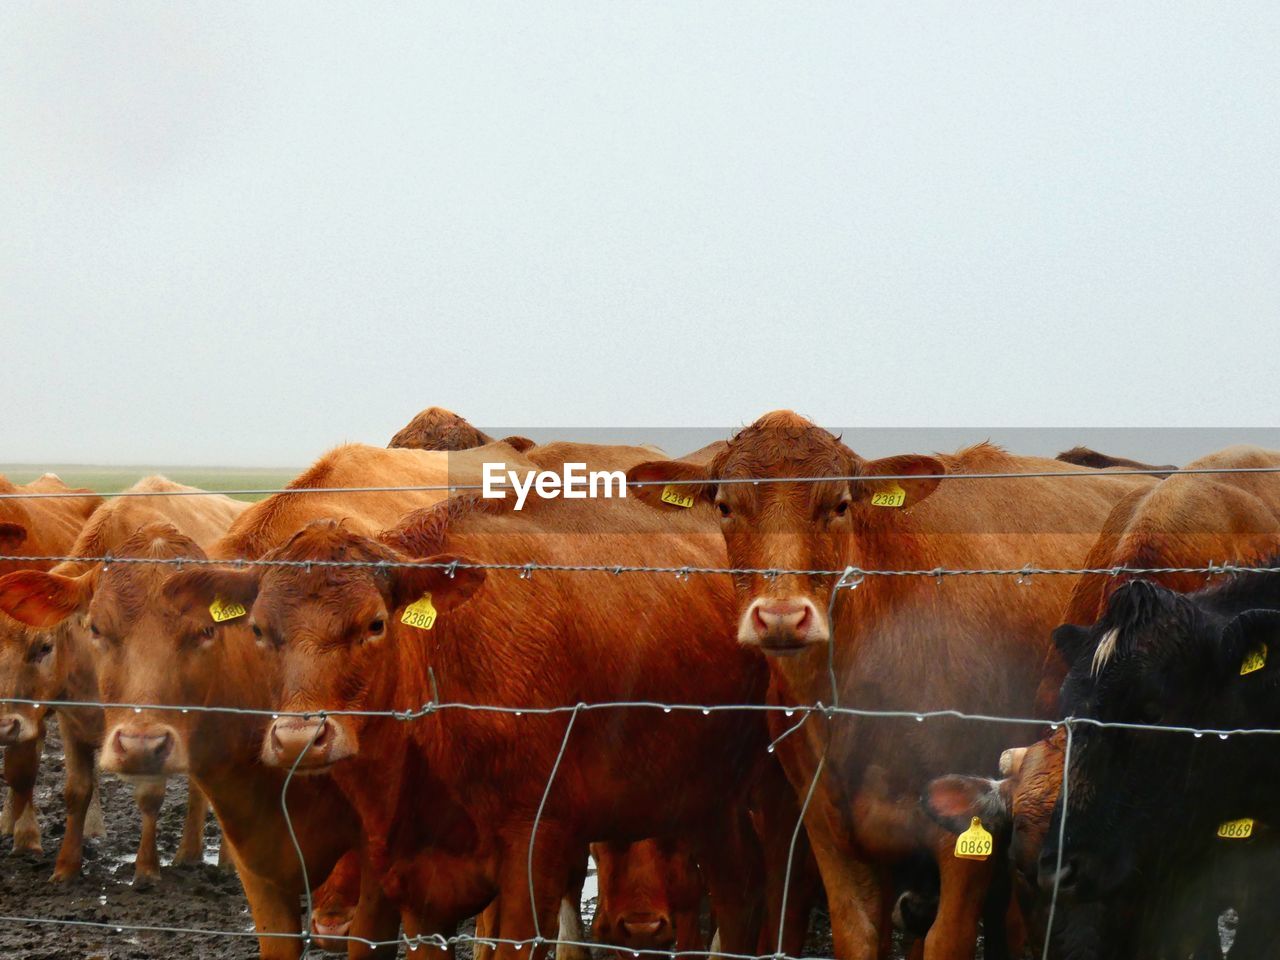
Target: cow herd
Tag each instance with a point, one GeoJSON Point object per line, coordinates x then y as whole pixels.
{"type": "Point", "coordinates": [455, 720]}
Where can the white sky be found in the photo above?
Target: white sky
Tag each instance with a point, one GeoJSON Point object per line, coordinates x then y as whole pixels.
{"type": "Point", "coordinates": [241, 232]}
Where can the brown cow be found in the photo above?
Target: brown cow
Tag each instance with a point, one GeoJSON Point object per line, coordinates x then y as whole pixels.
{"type": "Point", "coordinates": [1084, 457]}
{"type": "Point", "coordinates": [1187, 520]}
{"type": "Point", "coordinates": [650, 896]}
{"type": "Point", "coordinates": [898, 643]}
{"type": "Point", "coordinates": [436, 428]}
{"type": "Point", "coordinates": [55, 662]}
{"type": "Point", "coordinates": [462, 787]}
{"type": "Point", "coordinates": [40, 527]}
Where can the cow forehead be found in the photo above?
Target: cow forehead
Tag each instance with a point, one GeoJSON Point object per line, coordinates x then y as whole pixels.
{"type": "Point", "coordinates": [783, 450]}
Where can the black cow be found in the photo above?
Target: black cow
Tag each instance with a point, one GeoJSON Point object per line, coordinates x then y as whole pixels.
{"type": "Point", "coordinates": [1144, 807]}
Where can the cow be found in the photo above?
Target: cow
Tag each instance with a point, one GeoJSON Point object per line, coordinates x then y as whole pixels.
{"type": "Point", "coordinates": [436, 428]}
{"type": "Point", "coordinates": [460, 789]}
{"type": "Point", "coordinates": [1084, 457]}
{"type": "Point", "coordinates": [902, 643]}
{"type": "Point", "coordinates": [650, 896]}
{"type": "Point", "coordinates": [43, 662]}
{"type": "Point", "coordinates": [1188, 520]}
{"type": "Point", "coordinates": [1144, 810]}
{"type": "Point", "coordinates": [32, 528]}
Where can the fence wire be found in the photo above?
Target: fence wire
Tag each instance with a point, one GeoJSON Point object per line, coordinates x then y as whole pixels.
{"type": "Point", "coordinates": [847, 579]}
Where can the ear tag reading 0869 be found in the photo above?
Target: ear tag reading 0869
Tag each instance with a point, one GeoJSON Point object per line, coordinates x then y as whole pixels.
{"type": "Point", "coordinates": [420, 613]}
{"type": "Point", "coordinates": [1255, 659]}
{"type": "Point", "coordinates": [676, 497]}
{"type": "Point", "coordinates": [226, 610]}
{"type": "Point", "coordinates": [1236, 829]}
{"type": "Point", "coordinates": [975, 843]}
{"type": "Point", "coordinates": [893, 496]}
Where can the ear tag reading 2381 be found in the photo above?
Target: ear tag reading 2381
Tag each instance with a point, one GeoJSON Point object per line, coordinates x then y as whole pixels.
{"type": "Point", "coordinates": [676, 497]}
{"type": "Point", "coordinates": [226, 610]}
{"type": "Point", "coordinates": [1241, 829]}
{"type": "Point", "coordinates": [1255, 659]}
{"type": "Point", "coordinates": [420, 613]}
{"type": "Point", "coordinates": [893, 496]}
{"type": "Point", "coordinates": [975, 843]}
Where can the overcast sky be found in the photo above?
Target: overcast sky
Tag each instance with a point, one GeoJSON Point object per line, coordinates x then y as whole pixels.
{"type": "Point", "coordinates": [241, 232]}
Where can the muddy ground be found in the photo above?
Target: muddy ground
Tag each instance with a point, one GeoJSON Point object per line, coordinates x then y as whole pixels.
{"type": "Point", "coordinates": [202, 897]}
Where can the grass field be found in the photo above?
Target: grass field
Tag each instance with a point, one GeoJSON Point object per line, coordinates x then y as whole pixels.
{"type": "Point", "coordinates": [107, 479]}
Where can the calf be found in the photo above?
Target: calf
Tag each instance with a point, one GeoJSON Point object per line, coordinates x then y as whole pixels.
{"type": "Point", "coordinates": [900, 643]}
{"type": "Point", "coordinates": [651, 895]}
{"type": "Point", "coordinates": [520, 643]}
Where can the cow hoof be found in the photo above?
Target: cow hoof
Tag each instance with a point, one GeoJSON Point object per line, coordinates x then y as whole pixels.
{"type": "Point", "coordinates": [65, 874]}
{"type": "Point", "coordinates": [27, 841]}
{"type": "Point", "coordinates": [188, 858]}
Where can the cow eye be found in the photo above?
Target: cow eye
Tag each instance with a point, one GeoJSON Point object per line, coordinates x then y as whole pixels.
{"type": "Point", "coordinates": [842, 508]}
{"type": "Point", "coordinates": [257, 631]}
{"type": "Point", "coordinates": [376, 626]}
{"type": "Point", "coordinates": [42, 651]}
{"type": "Point", "coordinates": [207, 633]}
{"type": "Point", "coordinates": [723, 508]}
{"type": "Point", "coordinates": [94, 631]}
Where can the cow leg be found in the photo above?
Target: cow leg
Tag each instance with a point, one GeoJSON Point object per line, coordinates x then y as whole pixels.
{"type": "Point", "coordinates": [21, 764]}
{"type": "Point", "coordinates": [274, 910]}
{"type": "Point", "coordinates": [149, 796]}
{"type": "Point", "coordinates": [570, 921]}
{"type": "Point", "coordinates": [854, 900]}
{"type": "Point", "coordinates": [730, 856]}
{"type": "Point", "coordinates": [552, 868]}
{"type": "Point", "coordinates": [486, 929]}
{"type": "Point", "coordinates": [778, 812]}
{"type": "Point", "coordinates": [333, 904]}
{"type": "Point", "coordinates": [961, 899]}
{"type": "Point", "coordinates": [377, 918]}
{"type": "Point", "coordinates": [191, 846]}
{"type": "Point", "coordinates": [416, 925]}
{"type": "Point", "coordinates": [77, 791]}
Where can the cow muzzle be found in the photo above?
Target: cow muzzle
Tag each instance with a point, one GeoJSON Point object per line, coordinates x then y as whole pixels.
{"type": "Point", "coordinates": [142, 751]}
{"type": "Point", "coordinates": [783, 626]}
{"type": "Point", "coordinates": [16, 728]}
{"type": "Point", "coordinates": [644, 931]}
{"type": "Point", "coordinates": [305, 744]}
{"type": "Point", "coordinates": [329, 928]}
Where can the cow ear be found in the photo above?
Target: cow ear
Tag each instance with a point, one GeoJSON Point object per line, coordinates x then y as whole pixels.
{"type": "Point", "coordinates": [671, 483]}
{"type": "Point", "coordinates": [12, 535]}
{"type": "Point", "coordinates": [1073, 642]}
{"type": "Point", "coordinates": [448, 588]}
{"type": "Point", "coordinates": [1250, 644]}
{"type": "Point", "coordinates": [953, 801]}
{"type": "Point", "coordinates": [41, 599]}
{"type": "Point", "coordinates": [905, 465]}
{"type": "Point", "coordinates": [194, 591]}
{"type": "Point", "coordinates": [521, 444]}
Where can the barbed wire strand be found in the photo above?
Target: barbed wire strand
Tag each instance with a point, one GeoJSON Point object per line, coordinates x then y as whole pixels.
{"type": "Point", "coordinates": [718, 481]}
{"type": "Point", "coordinates": [537, 818]}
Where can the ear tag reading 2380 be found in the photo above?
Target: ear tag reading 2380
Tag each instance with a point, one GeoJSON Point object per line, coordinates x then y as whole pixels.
{"type": "Point", "coordinates": [1255, 659]}
{"type": "Point", "coordinates": [420, 613]}
{"type": "Point", "coordinates": [893, 496]}
{"type": "Point", "coordinates": [676, 497]}
{"type": "Point", "coordinates": [226, 610]}
{"type": "Point", "coordinates": [975, 843]}
{"type": "Point", "coordinates": [1241, 829]}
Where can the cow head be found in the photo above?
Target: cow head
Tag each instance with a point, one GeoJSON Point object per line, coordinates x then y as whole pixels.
{"type": "Point", "coordinates": [1155, 657]}
{"type": "Point", "coordinates": [775, 524]}
{"type": "Point", "coordinates": [32, 667]}
{"type": "Point", "coordinates": [643, 888]}
{"type": "Point", "coordinates": [332, 626]}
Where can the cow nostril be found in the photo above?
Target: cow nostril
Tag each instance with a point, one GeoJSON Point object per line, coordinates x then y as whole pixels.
{"type": "Point", "coordinates": [322, 734]}
{"type": "Point", "coordinates": [162, 744]}
{"type": "Point", "coordinates": [803, 623]}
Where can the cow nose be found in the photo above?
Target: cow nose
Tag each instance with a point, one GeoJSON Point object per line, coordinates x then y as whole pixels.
{"type": "Point", "coordinates": [144, 751]}
{"type": "Point", "coordinates": [782, 618]}
{"type": "Point", "coordinates": [645, 929]}
{"type": "Point", "coordinates": [301, 740]}
{"type": "Point", "coordinates": [10, 728]}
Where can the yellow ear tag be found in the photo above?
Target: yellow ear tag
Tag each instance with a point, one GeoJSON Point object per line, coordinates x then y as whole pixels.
{"type": "Point", "coordinates": [420, 613]}
{"type": "Point", "coordinates": [975, 843]}
{"type": "Point", "coordinates": [893, 496]}
{"type": "Point", "coordinates": [1255, 659]}
{"type": "Point", "coordinates": [226, 610]}
{"type": "Point", "coordinates": [676, 497]}
{"type": "Point", "coordinates": [1236, 829]}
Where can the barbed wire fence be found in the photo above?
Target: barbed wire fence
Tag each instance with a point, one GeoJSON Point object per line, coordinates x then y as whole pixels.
{"type": "Point", "coordinates": [847, 578]}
